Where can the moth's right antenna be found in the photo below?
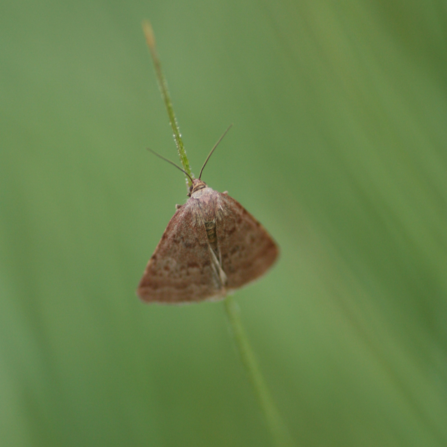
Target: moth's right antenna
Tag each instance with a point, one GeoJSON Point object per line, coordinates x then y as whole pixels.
{"type": "Point", "coordinates": [171, 162]}
{"type": "Point", "coordinates": [212, 150]}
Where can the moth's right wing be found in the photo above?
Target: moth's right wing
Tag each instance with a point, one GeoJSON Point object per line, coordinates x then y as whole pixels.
{"type": "Point", "coordinates": [247, 250]}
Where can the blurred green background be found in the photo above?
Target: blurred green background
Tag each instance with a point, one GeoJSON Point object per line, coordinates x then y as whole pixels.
{"type": "Point", "coordinates": [338, 148]}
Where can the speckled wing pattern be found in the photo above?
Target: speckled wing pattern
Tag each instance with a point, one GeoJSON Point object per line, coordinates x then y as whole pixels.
{"type": "Point", "coordinates": [246, 248]}
{"type": "Point", "coordinates": [210, 247]}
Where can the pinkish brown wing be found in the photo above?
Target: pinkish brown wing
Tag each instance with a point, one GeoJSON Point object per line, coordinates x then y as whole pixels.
{"type": "Point", "coordinates": [180, 269]}
{"type": "Point", "coordinates": [247, 250]}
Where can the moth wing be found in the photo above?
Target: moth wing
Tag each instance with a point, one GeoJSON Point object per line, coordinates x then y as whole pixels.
{"type": "Point", "coordinates": [180, 270]}
{"type": "Point", "coordinates": [247, 250]}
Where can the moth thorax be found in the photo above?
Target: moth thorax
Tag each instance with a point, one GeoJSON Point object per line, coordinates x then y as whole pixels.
{"type": "Point", "coordinates": [197, 185]}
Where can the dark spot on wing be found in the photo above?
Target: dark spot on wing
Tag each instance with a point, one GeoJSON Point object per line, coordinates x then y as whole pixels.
{"type": "Point", "coordinates": [193, 265]}
{"type": "Point", "coordinates": [189, 244]}
{"type": "Point", "coordinates": [235, 249]}
{"type": "Point", "coordinates": [230, 231]}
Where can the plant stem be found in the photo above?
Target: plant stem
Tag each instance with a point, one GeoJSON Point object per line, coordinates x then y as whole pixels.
{"type": "Point", "coordinates": [150, 39]}
{"type": "Point", "coordinates": [278, 430]}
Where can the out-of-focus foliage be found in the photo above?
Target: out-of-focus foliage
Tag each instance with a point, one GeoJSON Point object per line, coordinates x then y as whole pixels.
{"type": "Point", "coordinates": [338, 148]}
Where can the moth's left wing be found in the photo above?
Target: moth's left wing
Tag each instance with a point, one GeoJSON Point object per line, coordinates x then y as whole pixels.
{"type": "Point", "coordinates": [181, 269]}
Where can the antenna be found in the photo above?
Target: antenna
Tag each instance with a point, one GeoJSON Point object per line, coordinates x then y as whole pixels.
{"type": "Point", "coordinates": [212, 150]}
{"type": "Point", "coordinates": [172, 163]}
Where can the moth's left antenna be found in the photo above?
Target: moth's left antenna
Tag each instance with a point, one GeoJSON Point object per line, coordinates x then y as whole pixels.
{"type": "Point", "coordinates": [171, 162]}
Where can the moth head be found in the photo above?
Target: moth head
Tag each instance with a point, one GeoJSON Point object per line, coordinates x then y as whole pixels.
{"type": "Point", "coordinates": [197, 184]}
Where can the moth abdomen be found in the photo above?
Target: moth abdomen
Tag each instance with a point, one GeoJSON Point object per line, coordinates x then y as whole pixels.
{"type": "Point", "coordinates": [210, 228]}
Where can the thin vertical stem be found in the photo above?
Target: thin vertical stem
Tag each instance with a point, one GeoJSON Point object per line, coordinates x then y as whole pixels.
{"type": "Point", "coordinates": [150, 39]}
{"type": "Point", "coordinates": [278, 429]}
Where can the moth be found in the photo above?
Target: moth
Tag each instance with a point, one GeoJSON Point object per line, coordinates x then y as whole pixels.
{"type": "Point", "coordinates": [211, 247]}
